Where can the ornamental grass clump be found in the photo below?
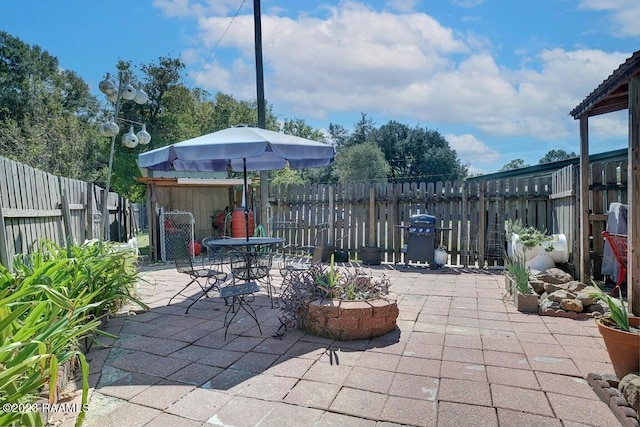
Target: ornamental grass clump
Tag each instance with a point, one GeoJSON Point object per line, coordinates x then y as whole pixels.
{"type": "Point", "coordinates": [516, 268]}
{"type": "Point", "coordinates": [53, 300]}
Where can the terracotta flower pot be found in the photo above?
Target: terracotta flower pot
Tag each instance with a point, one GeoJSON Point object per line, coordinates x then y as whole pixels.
{"type": "Point", "coordinates": [623, 347]}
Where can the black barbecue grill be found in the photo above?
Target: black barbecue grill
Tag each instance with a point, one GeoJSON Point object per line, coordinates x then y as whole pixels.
{"type": "Point", "coordinates": [421, 234]}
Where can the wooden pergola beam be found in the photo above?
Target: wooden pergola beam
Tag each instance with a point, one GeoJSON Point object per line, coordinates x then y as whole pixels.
{"type": "Point", "coordinates": [633, 194]}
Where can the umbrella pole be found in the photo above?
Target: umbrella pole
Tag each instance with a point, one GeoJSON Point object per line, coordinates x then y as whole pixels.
{"type": "Point", "coordinates": [246, 205]}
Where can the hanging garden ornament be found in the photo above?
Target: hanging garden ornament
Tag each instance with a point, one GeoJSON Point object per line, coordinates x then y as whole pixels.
{"type": "Point", "coordinates": [143, 136]}
{"type": "Point", "coordinates": [109, 129]}
{"type": "Point", "coordinates": [107, 86]}
{"type": "Point", "coordinates": [129, 139]}
{"type": "Point", "coordinates": [141, 97]}
{"type": "Point", "coordinates": [128, 92]}
{"type": "Point", "coordinates": [113, 97]}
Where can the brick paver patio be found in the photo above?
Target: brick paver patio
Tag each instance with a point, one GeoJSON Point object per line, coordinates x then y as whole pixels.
{"type": "Point", "coordinates": [461, 355]}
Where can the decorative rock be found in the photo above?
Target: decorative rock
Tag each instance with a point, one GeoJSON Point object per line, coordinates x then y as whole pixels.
{"type": "Point", "coordinates": [537, 285]}
{"type": "Point", "coordinates": [555, 276]}
{"type": "Point", "coordinates": [594, 308]}
{"type": "Point", "coordinates": [572, 305]}
{"type": "Point", "coordinates": [630, 389]}
{"type": "Point", "coordinates": [552, 287]}
{"type": "Point", "coordinates": [547, 304]}
{"type": "Point", "coordinates": [575, 286]}
{"type": "Point", "coordinates": [611, 379]}
{"type": "Point", "coordinates": [560, 294]}
{"type": "Point", "coordinates": [585, 298]}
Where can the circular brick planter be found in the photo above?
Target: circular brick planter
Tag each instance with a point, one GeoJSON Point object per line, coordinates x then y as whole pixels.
{"type": "Point", "coordinates": [351, 320]}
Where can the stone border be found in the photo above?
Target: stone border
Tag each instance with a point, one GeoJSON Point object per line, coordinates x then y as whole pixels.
{"type": "Point", "coordinates": [351, 320]}
{"type": "Point", "coordinates": [610, 395]}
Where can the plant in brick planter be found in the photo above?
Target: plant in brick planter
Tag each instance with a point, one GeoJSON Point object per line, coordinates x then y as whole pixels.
{"type": "Point", "coordinates": [340, 304]}
{"type": "Point", "coordinates": [517, 281]}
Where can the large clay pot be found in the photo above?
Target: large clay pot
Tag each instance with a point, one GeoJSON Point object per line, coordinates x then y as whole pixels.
{"type": "Point", "coordinates": [623, 347]}
{"type": "Point", "coordinates": [239, 224]}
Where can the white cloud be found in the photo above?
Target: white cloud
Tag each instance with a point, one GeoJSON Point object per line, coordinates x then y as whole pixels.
{"type": "Point", "coordinates": [408, 67]}
{"type": "Point", "coordinates": [470, 150]}
{"type": "Point", "coordinates": [625, 14]}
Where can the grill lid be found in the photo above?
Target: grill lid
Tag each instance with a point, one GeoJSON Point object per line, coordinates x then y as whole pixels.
{"type": "Point", "coordinates": [422, 218]}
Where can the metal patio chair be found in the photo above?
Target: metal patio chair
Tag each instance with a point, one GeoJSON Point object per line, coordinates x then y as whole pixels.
{"type": "Point", "coordinates": [253, 264]}
{"type": "Point", "coordinates": [186, 264]}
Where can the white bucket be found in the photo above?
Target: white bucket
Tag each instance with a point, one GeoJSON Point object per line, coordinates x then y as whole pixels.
{"type": "Point", "coordinates": [558, 243]}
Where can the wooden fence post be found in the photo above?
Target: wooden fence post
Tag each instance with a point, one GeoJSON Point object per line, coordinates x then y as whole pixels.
{"type": "Point", "coordinates": [66, 217]}
{"type": "Point", "coordinates": [464, 228]}
{"type": "Point", "coordinates": [482, 222]}
{"type": "Point", "coordinates": [371, 239]}
{"type": "Point", "coordinates": [4, 251]}
{"type": "Point", "coordinates": [394, 220]}
{"type": "Point", "coordinates": [332, 210]}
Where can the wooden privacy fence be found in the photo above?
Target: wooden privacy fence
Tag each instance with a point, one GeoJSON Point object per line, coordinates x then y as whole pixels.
{"type": "Point", "coordinates": [35, 205]}
{"type": "Point", "coordinates": [471, 215]}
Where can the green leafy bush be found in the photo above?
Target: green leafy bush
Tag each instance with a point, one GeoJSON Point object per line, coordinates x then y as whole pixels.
{"type": "Point", "coordinates": [530, 237]}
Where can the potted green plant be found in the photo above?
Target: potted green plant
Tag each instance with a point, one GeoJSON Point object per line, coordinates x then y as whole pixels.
{"type": "Point", "coordinates": [621, 333]}
{"type": "Point", "coordinates": [517, 282]}
{"type": "Point", "coordinates": [527, 240]}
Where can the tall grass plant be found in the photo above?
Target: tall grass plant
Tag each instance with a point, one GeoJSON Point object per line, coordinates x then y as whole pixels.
{"type": "Point", "coordinates": [54, 298]}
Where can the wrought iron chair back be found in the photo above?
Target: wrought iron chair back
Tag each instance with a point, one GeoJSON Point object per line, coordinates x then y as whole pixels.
{"type": "Point", "coordinates": [253, 264]}
{"type": "Point", "coordinates": [185, 264]}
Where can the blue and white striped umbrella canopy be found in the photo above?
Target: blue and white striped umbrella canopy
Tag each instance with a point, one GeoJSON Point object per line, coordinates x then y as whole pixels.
{"type": "Point", "coordinates": [262, 149]}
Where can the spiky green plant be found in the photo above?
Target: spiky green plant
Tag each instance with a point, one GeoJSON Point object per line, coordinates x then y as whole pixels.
{"type": "Point", "coordinates": [617, 312]}
{"type": "Point", "coordinates": [516, 268]}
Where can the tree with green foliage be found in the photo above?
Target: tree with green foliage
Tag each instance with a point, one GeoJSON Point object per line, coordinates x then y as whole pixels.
{"type": "Point", "coordinates": [361, 163]}
{"type": "Point", "coordinates": [175, 113]}
{"type": "Point", "coordinates": [47, 115]}
{"type": "Point", "coordinates": [286, 176]}
{"type": "Point", "coordinates": [418, 154]}
{"type": "Point", "coordinates": [514, 164]}
{"type": "Point", "coordinates": [556, 156]}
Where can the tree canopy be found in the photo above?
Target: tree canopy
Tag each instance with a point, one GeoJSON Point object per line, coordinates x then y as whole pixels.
{"type": "Point", "coordinates": [556, 156]}
{"type": "Point", "coordinates": [361, 163]}
{"type": "Point", "coordinates": [514, 164]}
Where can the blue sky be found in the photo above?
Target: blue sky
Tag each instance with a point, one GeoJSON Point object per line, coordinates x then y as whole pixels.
{"type": "Point", "coordinates": [497, 78]}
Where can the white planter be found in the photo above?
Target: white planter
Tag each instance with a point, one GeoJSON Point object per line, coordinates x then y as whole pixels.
{"type": "Point", "coordinates": [558, 242]}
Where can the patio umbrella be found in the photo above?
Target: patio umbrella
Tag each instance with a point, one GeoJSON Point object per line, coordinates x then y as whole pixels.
{"type": "Point", "coordinates": [241, 148]}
